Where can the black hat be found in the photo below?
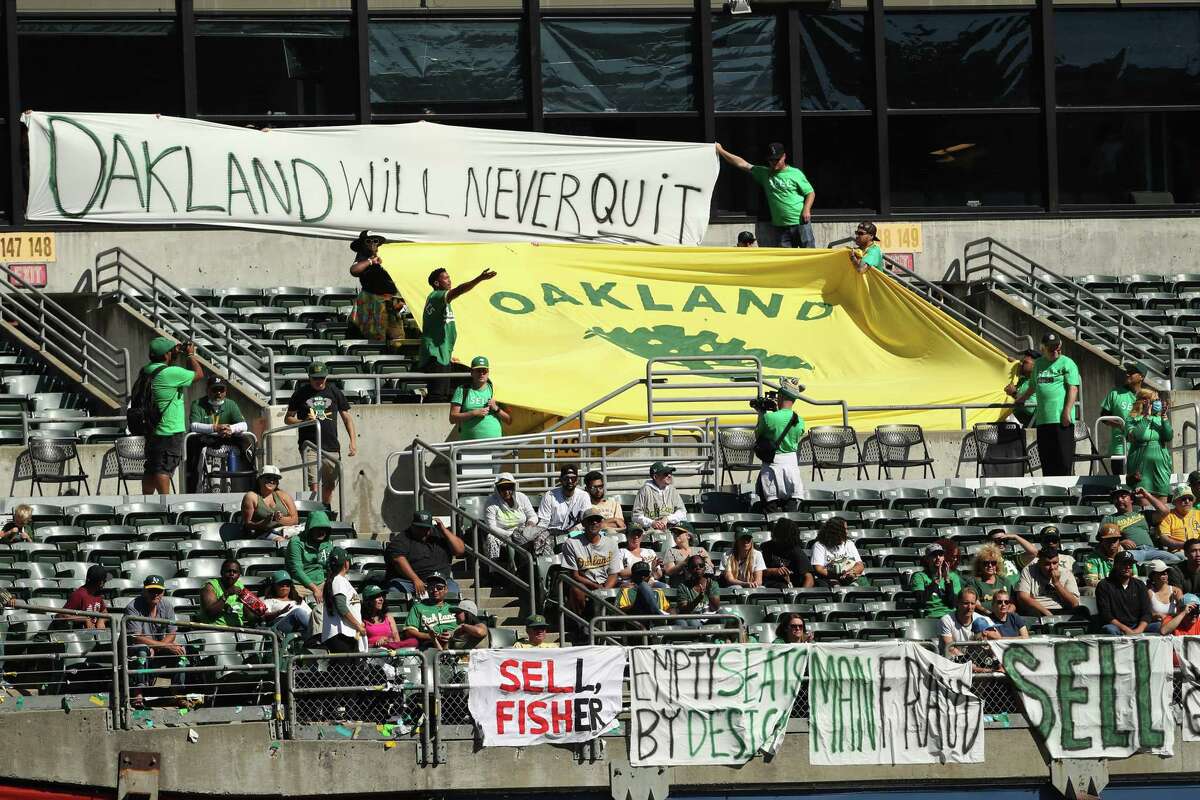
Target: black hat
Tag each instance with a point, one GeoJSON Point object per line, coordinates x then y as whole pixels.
{"type": "Point", "coordinates": [746, 237]}
{"type": "Point", "coordinates": [1124, 557]}
{"type": "Point", "coordinates": [1051, 532]}
{"type": "Point", "coordinates": [775, 150]}
{"type": "Point", "coordinates": [359, 245]}
{"type": "Point", "coordinates": [1120, 490]}
{"type": "Point", "coordinates": [216, 380]}
{"type": "Point", "coordinates": [1052, 339]}
{"type": "Point", "coordinates": [1034, 354]}
{"type": "Point", "coordinates": [435, 577]}
{"type": "Point", "coordinates": [639, 568]}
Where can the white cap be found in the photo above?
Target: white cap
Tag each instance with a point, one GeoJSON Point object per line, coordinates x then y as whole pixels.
{"type": "Point", "coordinates": [506, 477]}
{"type": "Point", "coordinates": [270, 469]}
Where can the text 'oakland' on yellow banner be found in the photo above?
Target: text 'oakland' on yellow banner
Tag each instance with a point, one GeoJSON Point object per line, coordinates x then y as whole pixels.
{"type": "Point", "coordinates": [564, 325]}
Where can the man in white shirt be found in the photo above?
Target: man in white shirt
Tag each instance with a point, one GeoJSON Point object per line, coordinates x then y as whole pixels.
{"type": "Point", "coordinates": [562, 508]}
{"type": "Point", "coordinates": [966, 625]}
{"type": "Point", "coordinates": [658, 504]}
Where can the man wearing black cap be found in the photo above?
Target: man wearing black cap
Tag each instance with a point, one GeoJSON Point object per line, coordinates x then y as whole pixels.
{"type": "Point", "coordinates": [89, 597]}
{"type": "Point", "coordinates": [151, 644]}
{"type": "Point", "coordinates": [779, 484]}
{"type": "Point", "coordinates": [746, 239]}
{"type": "Point", "coordinates": [658, 504]}
{"type": "Point", "coordinates": [1123, 602]}
{"type": "Point", "coordinates": [219, 422]}
{"type": "Point", "coordinates": [1020, 378]}
{"type": "Point", "coordinates": [320, 401]}
{"type": "Point", "coordinates": [427, 546]}
{"type": "Point", "coordinates": [1056, 384]}
{"type": "Point", "coordinates": [789, 194]}
{"type": "Point", "coordinates": [1119, 403]}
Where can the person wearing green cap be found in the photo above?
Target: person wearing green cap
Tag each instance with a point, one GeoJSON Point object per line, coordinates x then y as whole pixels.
{"type": "Point", "coordinates": [473, 407]}
{"type": "Point", "coordinates": [319, 400]}
{"type": "Point", "coordinates": [1119, 403]}
{"type": "Point", "coordinates": [536, 628]}
{"type": "Point", "coordinates": [168, 384]}
{"type": "Point", "coordinates": [658, 504]}
{"type": "Point", "coordinates": [438, 329]}
{"type": "Point", "coordinates": [779, 484]}
{"type": "Point", "coordinates": [306, 558]}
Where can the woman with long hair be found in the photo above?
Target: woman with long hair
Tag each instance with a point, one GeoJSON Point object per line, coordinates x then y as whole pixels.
{"type": "Point", "coordinates": [1149, 435]}
{"type": "Point", "coordinates": [381, 629]}
{"type": "Point", "coordinates": [473, 407]}
{"type": "Point", "coordinates": [675, 560]}
{"type": "Point", "coordinates": [835, 557]}
{"type": "Point", "coordinates": [342, 630]}
{"type": "Point", "coordinates": [744, 564]}
{"type": "Point", "coordinates": [286, 611]}
{"type": "Point", "coordinates": [937, 586]}
{"type": "Point", "coordinates": [378, 306]}
{"type": "Point", "coordinates": [791, 629]}
{"type": "Point", "coordinates": [986, 578]}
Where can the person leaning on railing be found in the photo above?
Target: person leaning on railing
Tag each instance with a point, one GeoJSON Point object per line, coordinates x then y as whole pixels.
{"type": "Point", "coordinates": [964, 624]}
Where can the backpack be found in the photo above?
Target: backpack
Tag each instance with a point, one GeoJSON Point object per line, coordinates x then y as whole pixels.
{"type": "Point", "coordinates": [143, 414]}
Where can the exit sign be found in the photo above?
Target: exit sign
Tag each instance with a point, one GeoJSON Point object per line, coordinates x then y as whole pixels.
{"type": "Point", "coordinates": [33, 274]}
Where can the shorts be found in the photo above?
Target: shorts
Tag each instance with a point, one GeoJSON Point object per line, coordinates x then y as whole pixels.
{"type": "Point", "coordinates": [163, 453]}
{"type": "Point", "coordinates": [330, 464]}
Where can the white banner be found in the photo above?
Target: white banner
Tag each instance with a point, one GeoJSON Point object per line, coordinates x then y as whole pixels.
{"type": "Point", "coordinates": [891, 703]}
{"type": "Point", "coordinates": [1187, 653]}
{"type": "Point", "coordinates": [1095, 698]}
{"type": "Point", "coordinates": [416, 181]}
{"type": "Point", "coordinates": [700, 704]}
{"type": "Point", "coordinates": [538, 696]}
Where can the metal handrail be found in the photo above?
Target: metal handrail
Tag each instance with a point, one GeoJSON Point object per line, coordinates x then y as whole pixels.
{"type": "Point", "coordinates": [1049, 293]}
{"type": "Point", "coordinates": [55, 331]}
{"type": "Point", "coordinates": [187, 438]}
{"type": "Point", "coordinates": [668, 633]}
{"type": "Point", "coordinates": [562, 577]}
{"type": "Point", "coordinates": [265, 455]}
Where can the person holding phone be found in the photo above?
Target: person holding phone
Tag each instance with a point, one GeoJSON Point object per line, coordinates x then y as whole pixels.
{"type": "Point", "coordinates": [1149, 434]}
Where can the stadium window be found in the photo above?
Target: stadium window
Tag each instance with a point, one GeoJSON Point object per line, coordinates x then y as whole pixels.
{"type": "Point", "coordinates": [1114, 158]}
{"type": "Point", "coordinates": [126, 6]}
{"type": "Point", "coordinates": [735, 196]}
{"type": "Point", "coordinates": [746, 58]}
{"type": "Point", "coordinates": [446, 66]}
{"type": "Point", "coordinates": [683, 128]}
{"type": "Point", "coordinates": [607, 65]}
{"type": "Point", "coordinates": [90, 64]}
{"type": "Point", "coordinates": [443, 5]}
{"type": "Point", "coordinates": [967, 162]}
{"type": "Point", "coordinates": [278, 67]}
{"type": "Point", "coordinates": [835, 67]}
{"type": "Point", "coordinates": [256, 6]}
{"type": "Point", "coordinates": [1130, 57]}
{"type": "Point", "coordinates": [960, 60]}
{"type": "Point", "coordinates": [840, 160]}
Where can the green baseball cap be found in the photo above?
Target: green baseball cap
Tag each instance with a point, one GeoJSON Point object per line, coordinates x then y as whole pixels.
{"type": "Point", "coordinates": [480, 362]}
{"type": "Point", "coordinates": [1138, 367]}
{"type": "Point", "coordinates": [372, 591]}
{"type": "Point", "coordinates": [338, 554]}
{"type": "Point", "coordinates": [318, 369]}
{"type": "Point", "coordinates": [536, 621]}
{"type": "Point", "coordinates": [281, 576]}
{"type": "Point", "coordinates": [154, 582]}
{"type": "Point", "coordinates": [160, 346]}
{"type": "Point", "coordinates": [658, 468]}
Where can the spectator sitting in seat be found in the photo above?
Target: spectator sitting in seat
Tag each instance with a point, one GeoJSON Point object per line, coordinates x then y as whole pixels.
{"type": "Point", "coordinates": [633, 553]}
{"type": "Point", "coordinates": [164, 444]}
{"type": "Point", "coordinates": [964, 624]}
{"type": "Point", "coordinates": [1051, 537]}
{"type": "Point", "coordinates": [1164, 598]}
{"type": "Point", "coordinates": [536, 628]}
{"type": "Point", "coordinates": [676, 557]}
{"type": "Point", "coordinates": [1008, 623]}
{"type": "Point", "coordinates": [1008, 568]}
{"type": "Point", "coordinates": [746, 239]}
{"type": "Point", "coordinates": [562, 508]}
{"type": "Point", "coordinates": [421, 551]}
{"type": "Point", "coordinates": [15, 529]}
{"type": "Point", "coordinates": [1046, 586]}
{"type": "Point", "coordinates": [151, 644]}
{"type": "Point", "coordinates": [1123, 601]}
{"type": "Point", "coordinates": [381, 629]}
{"type": "Point", "coordinates": [642, 598]}
{"type": "Point", "coordinates": [318, 400]}
{"type": "Point", "coordinates": [509, 516]}
{"type": "Point", "coordinates": [270, 513]}
{"type": "Point", "coordinates": [219, 422]}
{"type": "Point", "coordinates": [1186, 575]}
{"type": "Point", "coordinates": [1135, 534]}
{"type": "Point", "coordinates": [1179, 523]}
{"type": "Point", "coordinates": [697, 591]}
{"type": "Point", "coordinates": [658, 504]}
{"type": "Point", "coordinates": [431, 620]}
{"type": "Point", "coordinates": [937, 585]}
{"type": "Point", "coordinates": [1108, 544]}
{"type": "Point", "coordinates": [221, 599]}
{"type": "Point", "coordinates": [342, 629]}
{"type": "Point", "coordinates": [614, 516]}
{"type": "Point", "coordinates": [835, 557]}
{"type": "Point", "coordinates": [786, 559]}
{"type": "Point", "coordinates": [1187, 621]}
{"type": "Point", "coordinates": [89, 597]}
{"type": "Point", "coordinates": [306, 557]}
{"type": "Point", "coordinates": [986, 579]}
{"type": "Point", "coordinates": [591, 560]}
{"type": "Point", "coordinates": [743, 565]}
{"type": "Point", "coordinates": [473, 407]}
{"type": "Point", "coordinates": [791, 629]}
{"type": "Point", "coordinates": [469, 631]}
{"type": "Point", "coordinates": [286, 612]}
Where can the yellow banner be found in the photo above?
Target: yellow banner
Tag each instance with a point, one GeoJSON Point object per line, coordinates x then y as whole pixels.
{"type": "Point", "coordinates": [564, 325]}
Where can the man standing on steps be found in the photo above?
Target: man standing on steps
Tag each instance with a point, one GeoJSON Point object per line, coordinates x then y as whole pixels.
{"type": "Point", "coordinates": [438, 330]}
{"type": "Point", "coordinates": [164, 446]}
{"type": "Point", "coordinates": [1056, 385]}
{"type": "Point", "coordinates": [789, 194]}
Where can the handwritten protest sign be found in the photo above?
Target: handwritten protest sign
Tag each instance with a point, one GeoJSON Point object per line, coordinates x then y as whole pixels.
{"type": "Point", "coordinates": [416, 181]}
{"type": "Point", "coordinates": [1187, 652]}
{"type": "Point", "coordinates": [1094, 698]}
{"type": "Point", "coordinates": [525, 697]}
{"type": "Point", "coordinates": [891, 703]}
{"type": "Point", "coordinates": [701, 704]}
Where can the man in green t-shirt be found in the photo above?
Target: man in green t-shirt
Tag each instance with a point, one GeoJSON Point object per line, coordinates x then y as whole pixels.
{"type": "Point", "coordinates": [438, 329]}
{"type": "Point", "coordinates": [169, 383]}
{"type": "Point", "coordinates": [219, 422]}
{"type": "Point", "coordinates": [1056, 385]}
{"type": "Point", "coordinates": [1118, 403]}
{"type": "Point", "coordinates": [432, 620]}
{"type": "Point", "coordinates": [789, 194]}
{"type": "Point", "coordinates": [1135, 533]}
{"type": "Point", "coordinates": [779, 484]}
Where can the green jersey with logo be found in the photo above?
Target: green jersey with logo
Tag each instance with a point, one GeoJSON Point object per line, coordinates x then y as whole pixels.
{"type": "Point", "coordinates": [1118, 404]}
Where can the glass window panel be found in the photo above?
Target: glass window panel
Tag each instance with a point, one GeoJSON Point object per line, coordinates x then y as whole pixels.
{"type": "Point", "coordinates": [949, 60]}
{"type": "Point", "coordinates": [835, 70]}
{"type": "Point", "coordinates": [735, 194]}
{"type": "Point", "coordinates": [245, 6]}
{"type": "Point", "coordinates": [1130, 57]}
{"type": "Point", "coordinates": [851, 180]}
{"type": "Point", "coordinates": [617, 65]}
{"type": "Point", "coordinates": [965, 161]}
{"type": "Point", "coordinates": [40, 6]}
{"type": "Point", "coordinates": [118, 56]}
{"type": "Point", "coordinates": [660, 129]}
{"type": "Point", "coordinates": [746, 72]}
{"type": "Point", "coordinates": [446, 66]}
{"type": "Point", "coordinates": [278, 67]}
{"type": "Point", "coordinates": [1118, 159]}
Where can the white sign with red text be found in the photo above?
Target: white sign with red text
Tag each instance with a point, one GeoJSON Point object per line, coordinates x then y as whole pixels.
{"type": "Point", "coordinates": [540, 696]}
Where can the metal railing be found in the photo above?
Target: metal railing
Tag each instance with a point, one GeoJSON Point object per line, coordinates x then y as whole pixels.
{"type": "Point", "coordinates": [1088, 317]}
{"type": "Point", "coordinates": [667, 627]}
{"type": "Point", "coordinates": [31, 424]}
{"type": "Point", "coordinates": [266, 455]}
{"type": "Point", "coordinates": [66, 341]}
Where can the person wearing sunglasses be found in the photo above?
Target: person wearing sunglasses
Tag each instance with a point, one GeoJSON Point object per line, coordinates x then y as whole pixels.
{"type": "Point", "coordinates": [791, 630]}
{"type": "Point", "coordinates": [790, 196]}
{"type": "Point", "coordinates": [1005, 619]}
{"type": "Point", "coordinates": [866, 253]}
{"type": "Point", "coordinates": [219, 422]}
{"type": "Point", "coordinates": [987, 579]}
{"type": "Point", "coordinates": [1181, 522]}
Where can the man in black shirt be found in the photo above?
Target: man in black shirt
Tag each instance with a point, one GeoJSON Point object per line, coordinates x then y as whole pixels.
{"type": "Point", "coordinates": [1186, 574]}
{"type": "Point", "coordinates": [419, 552]}
{"type": "Point", "coordinates": [318, 400]}
{"type": "Point", "coordinates": [787, 560]}
{"type": "Point", "coordinates": [1123, 601]}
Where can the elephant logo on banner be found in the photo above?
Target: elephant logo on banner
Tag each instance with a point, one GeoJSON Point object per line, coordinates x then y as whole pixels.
{"type": "Point", "coordinates": [672, 340]}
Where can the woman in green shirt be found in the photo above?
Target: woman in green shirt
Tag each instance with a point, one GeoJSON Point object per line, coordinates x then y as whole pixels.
{"type": "Point", "coordinates": [866, 253]}
{"type": "Point", "coordinates": [473, 408]}
{"type": "Point", "coordinates": [937, 586]}
{"type": "Point", "coordinates": [1149, 435]}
